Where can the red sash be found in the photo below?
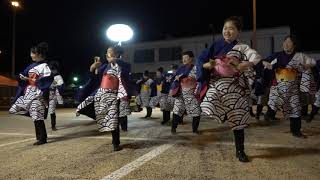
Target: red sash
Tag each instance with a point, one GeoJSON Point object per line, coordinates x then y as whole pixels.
{"type": "Point", "coordinates": [109, 82]}
{"type": "Point", "coordinates": [222, 68]}
{"type": "Point", "coordinates": [188, 82]}
{"type": "Point", "coordinates": [32, 76]}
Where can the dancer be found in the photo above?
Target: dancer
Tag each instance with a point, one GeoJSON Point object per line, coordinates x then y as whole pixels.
{"type": "Point", "coordinates": [103, 93]}
{"type": "Point", "coordinates": [56, 90]}
{"type": "Point", "coordinates": [33, 91]}
{"type": "Point", "coordinates": [284, 93]}
{"type": "Point", "coordinates": [147, 90]}
{"type": "Point", "coordinates": [222, 73]}
{"type": "Point", "coordinates": [183, 90]}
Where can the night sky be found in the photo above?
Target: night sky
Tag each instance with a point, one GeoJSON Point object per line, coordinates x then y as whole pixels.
{"type": "Point", "coordinates": [75, 30]}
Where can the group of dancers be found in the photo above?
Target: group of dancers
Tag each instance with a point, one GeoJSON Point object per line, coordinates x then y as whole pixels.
{"type": "Point", "coordinates": [218, 84]}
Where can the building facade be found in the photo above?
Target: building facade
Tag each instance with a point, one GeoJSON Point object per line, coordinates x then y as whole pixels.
{"type": "Point", "coordinates": [151, 55]}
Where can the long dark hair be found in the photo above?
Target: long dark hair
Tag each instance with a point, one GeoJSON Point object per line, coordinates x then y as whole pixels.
{"type": "Point", "coordinates": [41, 49]}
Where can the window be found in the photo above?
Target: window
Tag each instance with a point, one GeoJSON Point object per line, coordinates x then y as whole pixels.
{"type": "Point", "coordinates": [144, 56]}
{"type": "Point", "coordinates": [170, 54]}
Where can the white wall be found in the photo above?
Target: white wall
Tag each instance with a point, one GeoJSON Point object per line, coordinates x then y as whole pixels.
{"type": "Point", "coordinates": [316, 56]}
{"type": "Point", "coordinates": [268, 41]}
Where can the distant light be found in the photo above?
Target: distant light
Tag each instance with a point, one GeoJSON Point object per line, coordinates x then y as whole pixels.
{"type": "Point", "coordinates": [15, 3]}
{"type": "Point", "coordinates": [170, 72]}
{"type": "Point", "coordinates": [119, 33]}
{"type": "Point", "coordinates": [80, 87]}
{"type": "Point", "coordinates": [75, 79]}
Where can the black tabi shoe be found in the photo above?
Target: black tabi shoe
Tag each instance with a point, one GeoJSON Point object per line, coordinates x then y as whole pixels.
{"type": "Point", "coordinates": [310, 118]}
{"type": "Point", "coordinates": [257, 117]}
{"type": "Point", "coordinates": [299, 135]}
{"type": "Point", "coordinates": [251, 112]}
{"type": "Point", "coordinates": [173, 131]}
{"type": "Point", "coordinates": [241, 155]}
{"type": "Point", "coordinates": [39, 143]}
{"type": "Point", "coordinates": [196, 131]}
{"type": "Point", "coordinates": [116, 148]}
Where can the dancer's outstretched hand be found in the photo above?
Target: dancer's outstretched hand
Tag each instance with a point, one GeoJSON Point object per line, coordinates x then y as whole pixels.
{"type": "Point", "coordinates": [95, 65]}
{"type": "Point", "coordinates": [209, 65]}
{"type": "Point", "coordinates": [22, 77]}
{"type": "Point", "coordinates": [244, 65]}
{"type": "Point", "coordinates": [267, 65]}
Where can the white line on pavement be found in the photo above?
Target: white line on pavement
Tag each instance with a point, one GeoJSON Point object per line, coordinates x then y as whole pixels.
{"type": "Point", "coordinates": [16, 142]}
{"type": "Point", "coordinates": [176, 141]}
{"type": "Point", "coordinates": [137, 163]}
{"type": "Point", "coordinates": [129, 138]}
{"type": "Point", "coordinates": [16, 134]}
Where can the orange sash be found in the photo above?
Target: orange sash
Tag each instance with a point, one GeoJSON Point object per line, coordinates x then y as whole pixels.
{"type": "Point", "coordinates": [286, 74]}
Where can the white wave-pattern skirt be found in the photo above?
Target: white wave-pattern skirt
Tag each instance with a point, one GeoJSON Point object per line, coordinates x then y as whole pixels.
{"type": "Point", "coordinates": [227, 99]}
{"type": "Point", "coordinates": [52, 102]}
{"type": "Point", "coordinates": [165, 102]}
{"type": "Point", "coordinates": [143, 99]}
{"type": "Point", "coordinates": [124, 108]}
{"type": "Point", "coordinates": [285, 95]}
{"type": "Point", "coordinates": [31, 102]}
{"type": "Point", "coordinates": [188, 102]}
{"type": "Point", "coordinates": [106, 108]}
{"type": "Point", "coordinates": [307, 83]}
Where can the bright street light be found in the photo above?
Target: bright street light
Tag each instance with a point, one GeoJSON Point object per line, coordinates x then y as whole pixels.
{"type": "Point", "coordinates": [15, 3]}
{"type": "Point", "coordinates": [119, 33]}
{"type": "Point", "coordinates": [75, 79]}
